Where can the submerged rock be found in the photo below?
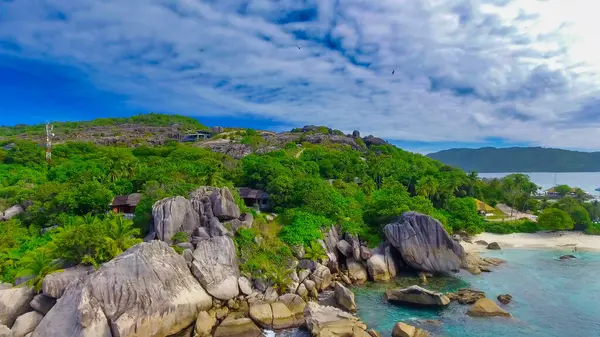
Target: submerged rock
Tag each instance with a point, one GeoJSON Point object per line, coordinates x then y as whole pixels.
{"type": "Point", "coordinates": [215, 265]}
{"type": "Point", "coordinates": [416, 295]}
{"type": "Point", "coordinates": [505, 298]}
{"type": "Point", "coordinates": [486, 308]}
{"type": "Point", "coordinates": [146, 291]}
{"type": "Point", "coordinates": [466, 296]}
{"type": "Point", "coordinates": [424, 244]}
{"type": "Point", "coordinates": [405, 330]}
{"type": "Point", "coordinates": [567, 257]}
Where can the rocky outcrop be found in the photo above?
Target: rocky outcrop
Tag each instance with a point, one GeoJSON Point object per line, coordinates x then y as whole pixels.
{"type": "Point", "coordinates": [378, 268]}
{"type": "Point", "coordinates": [245, 285]}
{"type": "Point", "coordinates": [486, 308]}
{"type": "Point", "coordinates": [172, 215]}
{"type": "Point", "coordinates": [416, 295]}
{"type": "Point", "coordinates": [493, 246]}
{"type": "Point", "coordinates": [345, 248]}
{"type": "Point", "coordinates": [344, 297]}
{"type": "Point", "coordinates": [204, 324]}
{"type": "Point", "coordinates": [356, 271]}
{"type": "Point", "coordinates": [322, 277]}
{"type": "Point", "coordinates": [26, 323]}
{"type": "Point", "coordinates": [14, 302]}
{"type": "Point", "coordinates": [223, 204]}
{"type": "Point", "coordinates": [567, 257]}
{"type": "Point", "coordinates": [237, 325]}
{"type": "Point", "coordinates": [42, 303]}
{"type": "Point", "coordinates": [424, 244]}
{"type": "Point", "coordinates": [324, 321]}
{"type": "Point", "coordinates": [475, 264]}
{"type": "Point", "coordinates": [405, 330]}
{"type": "Point", "coordinates": [274, 315]}
{"type": "Point", "coordinates": [11, 212]}
{"type": "Point", "coordinates": [215, 265]}
{"type": "Point", "coordinates": [55, 284]}
{"type": "Point", "coordinates": [146, 291]}
{"type": "Point", "coordinates": [505, 298]}
{"type": "Point", "coordinates": [466, 296]}
{"type": "Point", "coordinates": [331, 239]}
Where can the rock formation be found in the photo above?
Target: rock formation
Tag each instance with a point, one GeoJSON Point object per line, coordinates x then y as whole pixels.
{"type": "Point", "coordinates": [466, 296]}
{"type": "Point", "coordinates": [324, 321]}
{"type": "Point", "coordinates": [486, 308]}
{"type": "Point", "coordinates": [55, 284]}
{"type": "Point", "coordinates": [424, 244]}
{"type": "Point", "coordinates": [493, 246]}
{"type": "Point", "coordinates": [26, 323]}
{"type": "Point", "coordinates": [14, 302]}
{"type": "Point", "coordinates": [505, 298]}
{"type": "Point", "coordinates": [172, 215]}
{"type": "Point", "coordinates": [344, 297]}
{"type": "Point", "coordinates": [146, 291]}
{"type": "Point", "coordinates": [215, 265]}
{"type": "Point", "coordinates": [405, 330]}
{"type": "Point", "coordinates": [237, 325]}
{"type": "Point", "coordinates": [416, 295]}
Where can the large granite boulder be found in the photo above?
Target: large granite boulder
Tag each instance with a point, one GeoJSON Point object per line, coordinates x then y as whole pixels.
{"type": "Point", "coordinates": [245, 285]}
{"type": "Point", "coordinates": [223, 204]}
{"type": "Point", "coordinates": [423, 243]}
{"type": "Point", "coordinates": [204, 324]}
{"type": "Point", "coordinates": [416, 295]}
{"type": "Point", "coordinates": [26, 323]}
{"type": "Point", "coordinates": [325, 321]}
{"type": "Point", "coordinates": [146, 291]}
{"type": "Point", "coordinates": [42, 303]}
{"type": "Point", "coordinates": [5, 331]}
{"type": "Point", "coordinates": [274, 315]}
{"type": "Point", "coordinates": [12, 212]}
{"type": "Point", "coordinates": [331, 239]}
{"type": "Point", "coordinates": [381, 265]}
{"type": "Point", "coordinates": [345, 248]}
{"type": "Point", "coordinates": [486, 308]}
{"type": "Point", "coordinates": [55, 284]}
{"type": "Point", "coordinates": [14, 302]}
{"type": "Point", "coordinates": [172, 215]}
{"type": "Point", "coordinates": [344, 297]}
{"type": "Point", "coordinates": [322, 277]}
{"type": "Point", "coordinates": [215, 265]}
{"type": "Point", "coordinates": [356, 271]}
{"type": "Point", "coordinates": [237, 325]}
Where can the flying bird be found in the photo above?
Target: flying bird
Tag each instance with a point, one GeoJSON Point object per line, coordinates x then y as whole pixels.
{"type": "Point", "coordinates": [393, 71]}
{"type": "Point", "coordinates": [298, 47]}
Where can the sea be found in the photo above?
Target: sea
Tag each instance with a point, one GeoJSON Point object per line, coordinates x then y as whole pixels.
{"type": "Point", "coordinates": [587, 181]}
{"type": "Point", "coordinates": [551, 298]}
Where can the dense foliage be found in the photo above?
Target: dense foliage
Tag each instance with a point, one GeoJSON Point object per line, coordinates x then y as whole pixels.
{"type": "Point", "coordinates": [312, 187]}
{"type": "Point", "coordinates": [520, 159]}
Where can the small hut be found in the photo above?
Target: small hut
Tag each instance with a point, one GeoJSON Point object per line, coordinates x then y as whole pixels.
{"type": "Point", "coordinates": [126, 203]}
{"type": "Point", "coordinates": [255, 198]}
{"type": "Point", "coordinates": [483, 208]}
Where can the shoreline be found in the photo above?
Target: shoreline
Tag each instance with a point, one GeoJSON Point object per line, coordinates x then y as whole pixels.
{"type": "Point", "coordinates": [562, 241]}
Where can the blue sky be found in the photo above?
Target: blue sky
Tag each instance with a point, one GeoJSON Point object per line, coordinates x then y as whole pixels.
{"type": "Point", "coordinates": [466, 73]}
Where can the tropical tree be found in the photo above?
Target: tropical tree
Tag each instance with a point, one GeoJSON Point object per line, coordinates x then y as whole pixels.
{"type": "Point", "coordinates": [315, 252]}
{"type": "Point", "coordinates": [427, 187]}
{"type": "Point", "coordinates": [121, 232]}
{"type": "Point", "coordinates": [37, 264]}
{"type": "Point", "coordinates": [555, 219]}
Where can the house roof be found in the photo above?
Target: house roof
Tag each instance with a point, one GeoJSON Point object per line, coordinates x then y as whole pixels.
{"type": "Point", "coordinates": [249, 193]}
{"type": "Point", "coordinates": [482, 206]}
{"type": "Point", "coordinates": [127, 200]}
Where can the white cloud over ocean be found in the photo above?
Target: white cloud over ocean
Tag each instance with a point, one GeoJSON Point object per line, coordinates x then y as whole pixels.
{"type": "Point", "coordinates": [525, 71]}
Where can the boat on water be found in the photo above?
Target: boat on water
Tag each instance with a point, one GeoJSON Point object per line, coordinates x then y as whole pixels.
{"type": "Point", "coordinates": [598, 189]}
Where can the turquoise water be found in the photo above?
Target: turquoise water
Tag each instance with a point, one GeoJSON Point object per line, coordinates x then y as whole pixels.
{"type": "Point", "coordinates": [550, 298]}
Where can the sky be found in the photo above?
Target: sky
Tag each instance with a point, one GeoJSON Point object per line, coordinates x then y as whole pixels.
{"type": "Point", "coordinates": [423, 74]}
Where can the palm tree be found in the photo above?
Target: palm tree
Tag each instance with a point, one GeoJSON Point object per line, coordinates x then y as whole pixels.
{"type": "Point", "coordinates": [38, 264]}
{"type": "Point", "coordinates": [315, 252]}
{"type": "Point", "coordinates": [121, 232]}
{"type": "Point", "coordinates": [427, 187]}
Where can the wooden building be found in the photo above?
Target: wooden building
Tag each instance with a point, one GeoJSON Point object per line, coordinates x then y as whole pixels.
{"type": "Point", "coordinates": [255, 198]}
{"type": "Point", "coordinates": [125, 203]}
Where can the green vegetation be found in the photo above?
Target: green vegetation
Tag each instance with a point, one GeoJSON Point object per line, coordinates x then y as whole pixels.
{"type": "Point", "coordinates": [329, 184]}
{"type": "Point", "coordinates": [520, 159]}
{"type": "Point", "coordinates": [555, 219]}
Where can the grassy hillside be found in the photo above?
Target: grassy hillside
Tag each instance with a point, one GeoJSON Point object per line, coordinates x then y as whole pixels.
{"type": "Point", "coordinates": [520, 159]}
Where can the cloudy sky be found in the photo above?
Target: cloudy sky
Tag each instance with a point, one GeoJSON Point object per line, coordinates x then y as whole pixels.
{"type": "Point", "coordinates": [425, 74]}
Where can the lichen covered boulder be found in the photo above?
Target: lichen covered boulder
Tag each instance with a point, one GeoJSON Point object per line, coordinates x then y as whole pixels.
{"type": "Point", "coordinates": [146, 291]}
{"type": "Point", "coordinates": [172, 215]}
{"type": "Point", "coordinates": [423, 243]}
{"type": "Point", "coordinates": [215, 265]}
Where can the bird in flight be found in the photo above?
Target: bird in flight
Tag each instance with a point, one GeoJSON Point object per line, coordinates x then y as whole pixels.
{"type": "Point", "coordinates": [298, 47]}
{"type": "Point", "coordinates": [393, 71]}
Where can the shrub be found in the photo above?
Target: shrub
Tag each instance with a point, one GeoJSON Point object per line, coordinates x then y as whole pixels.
{"type": "Point", "coordinates": [301, 227]}
{"type": "Point", "coordinates": [180, 237]}
{"type": "Point", "coordinates": [555, 219]}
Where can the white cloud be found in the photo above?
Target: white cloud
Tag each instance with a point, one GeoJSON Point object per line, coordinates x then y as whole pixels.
{"type": "Point", "coordinates": [465, 70]}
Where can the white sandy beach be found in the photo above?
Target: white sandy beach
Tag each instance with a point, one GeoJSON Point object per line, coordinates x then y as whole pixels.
{"type": "Point", "coordinates": [544, 240]}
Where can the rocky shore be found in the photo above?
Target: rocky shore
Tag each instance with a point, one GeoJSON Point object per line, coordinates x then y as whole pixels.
{"type": "Point", "coordinates": [152, 291]}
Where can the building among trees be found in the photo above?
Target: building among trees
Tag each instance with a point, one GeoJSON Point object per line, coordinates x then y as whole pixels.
{"type": "Point", "coordinates": [126, 204]}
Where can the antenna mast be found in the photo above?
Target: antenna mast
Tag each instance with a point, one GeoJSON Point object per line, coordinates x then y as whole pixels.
{"type": "Point", "coordinates": [49, 135]}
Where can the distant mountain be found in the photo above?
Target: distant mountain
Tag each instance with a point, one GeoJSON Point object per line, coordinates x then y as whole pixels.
{"type": "Point", "coordinates": [519, 159]}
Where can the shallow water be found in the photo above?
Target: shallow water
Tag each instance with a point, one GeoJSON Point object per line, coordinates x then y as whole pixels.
{"type": "Point", "coordinates": [550, 298]}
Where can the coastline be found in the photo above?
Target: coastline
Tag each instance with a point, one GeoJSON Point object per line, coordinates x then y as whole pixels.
{"type": "Point", "coordinates": [562, 240]}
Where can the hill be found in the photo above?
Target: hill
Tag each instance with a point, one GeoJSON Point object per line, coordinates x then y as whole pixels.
{"type": "Point", "coordinates": [152, 128]}
{"type": "Point", "coordinates": [519, 159]}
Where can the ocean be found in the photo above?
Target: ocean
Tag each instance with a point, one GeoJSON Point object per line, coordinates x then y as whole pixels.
{"type": "Point", "coordinates": [587, 181]}
{"type": "Point", "coordinates": [551, 297]}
